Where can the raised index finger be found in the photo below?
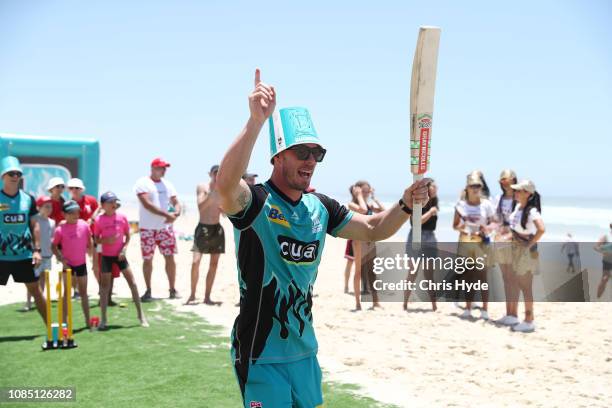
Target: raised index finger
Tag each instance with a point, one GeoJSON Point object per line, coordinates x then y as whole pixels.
{"type": "Point", "coordinates": [257, 76]}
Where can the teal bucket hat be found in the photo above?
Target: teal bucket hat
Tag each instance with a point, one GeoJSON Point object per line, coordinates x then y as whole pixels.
{"type": "Point", "coordinates": [290, 127]}
{"type": "Point", "coordinates": [10, 163]}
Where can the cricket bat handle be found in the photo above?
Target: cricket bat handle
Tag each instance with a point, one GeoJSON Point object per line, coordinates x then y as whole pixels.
{"type": "Point", "coordinates": [417, 211]}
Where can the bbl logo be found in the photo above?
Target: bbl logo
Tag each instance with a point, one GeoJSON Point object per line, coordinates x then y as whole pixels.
{"type": "Point", "coordinates": [296, 251]}
{"type": "Point", "coordinates": [275, 215]}
{"type": "Point", "coordinates": [14, 218]}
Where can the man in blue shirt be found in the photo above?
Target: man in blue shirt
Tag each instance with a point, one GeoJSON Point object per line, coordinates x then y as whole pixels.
{"type": "Point", "coordinates": [19, 233]}
{"type": "Point", "coordinates": [280, 233]}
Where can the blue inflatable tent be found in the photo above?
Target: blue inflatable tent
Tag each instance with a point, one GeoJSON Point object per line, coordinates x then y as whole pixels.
{"type": "Point", "coordinates": [43, 157]}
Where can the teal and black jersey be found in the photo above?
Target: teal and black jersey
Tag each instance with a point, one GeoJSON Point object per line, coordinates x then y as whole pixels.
{"type": "Point", "coordinates": [15, 234]}
{"type": "Point", "coordinates": [279, 243]}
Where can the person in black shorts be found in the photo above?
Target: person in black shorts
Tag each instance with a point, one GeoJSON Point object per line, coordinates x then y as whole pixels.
{"type": "Point", "coordinates": [19, 233]}
{"type": "Point", "coordinates": [208, 238]}
{"type": "Point", "coordinates": [112, 231]}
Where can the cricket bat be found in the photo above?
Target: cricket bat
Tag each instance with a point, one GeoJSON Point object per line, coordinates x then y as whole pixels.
{"type": "Point", "coordinates": [422, 89]}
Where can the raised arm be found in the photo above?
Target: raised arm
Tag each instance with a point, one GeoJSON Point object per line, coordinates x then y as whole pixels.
{"type": "Point", "coordinates": [234, 192]}
{"type": "Point", "coordinates": [386, 223]}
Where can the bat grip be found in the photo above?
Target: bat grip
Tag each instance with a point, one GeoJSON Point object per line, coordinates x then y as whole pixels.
{"type": "Point", "coordinates": [417, 210]}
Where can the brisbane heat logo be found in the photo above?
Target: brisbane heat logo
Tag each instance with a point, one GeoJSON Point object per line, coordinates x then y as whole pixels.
{"type": "Point", "coordinates": [276, 216]}
{"type": "Point", "coordinates": [295, 251]}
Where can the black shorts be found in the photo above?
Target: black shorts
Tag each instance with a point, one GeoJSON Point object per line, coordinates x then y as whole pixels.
{"type": "Point", "coordinates": [607, 268]}
{"type": "Point", "coordinates": [209, 239]}
{"type": "Point", "coordinates": [108, 261]}
{"type": "Point", "coordinates": [22, 271]}
{"type": "Point", "coordinates": [80, 270]}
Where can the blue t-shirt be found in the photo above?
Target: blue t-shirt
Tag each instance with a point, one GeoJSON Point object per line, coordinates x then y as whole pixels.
{"type": "Point", "coordinates": [279, 243]}
{"type": "Point", "coordinates": [15, 234]}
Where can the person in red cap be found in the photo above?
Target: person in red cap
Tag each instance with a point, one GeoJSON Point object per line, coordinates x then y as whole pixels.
{"type": "Point", "coordinates": [159, 208]}
{"type": "Point", "coordinates": [47, 227]}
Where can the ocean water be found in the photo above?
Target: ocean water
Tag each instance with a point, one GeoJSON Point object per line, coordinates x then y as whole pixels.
{"type": "Point", "coordinates": [585, 218]}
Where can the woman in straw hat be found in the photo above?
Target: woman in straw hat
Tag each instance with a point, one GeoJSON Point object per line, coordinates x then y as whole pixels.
{"type": "Point", "coordinates": [504, 205]}
{"type": "Point", "coordinates": [474, 220]}
{"type": "Point", "coordinates": [527, 229]}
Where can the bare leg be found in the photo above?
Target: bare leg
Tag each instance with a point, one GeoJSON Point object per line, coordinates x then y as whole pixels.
{"type": "Point", "coordinates": [525, 283]}
{"type": "Point", "coordinates": [96, 266]}
{"type": "Point", "coordinates": [82, 284]}
{"type": "Point", "coordinates": [129, 277]}
{"type": "Point", "coordinates": [210, 278]}
{"type": "Point", "coordinates": [147, 269]}
{"type": "Point", "coordinates": [347, 274]}
{"type": "Point", "coordinates": [357, 276]}
{"type": "Point", "coordinates": [602, 285]}
{"type": "Point", "coordinates": [105, 280]}
{"type": "Point", "coordinates": [484, 293]}
{"type": "Point", "coordinates": [410, 278]}
{"type": "Point", "coordinates": [429, 274]}
{"type": "Point", "coordinates": [39, 299]}
{"type": "Point", "coordinates": [195, 275]}
{"type": "Point", "coordinates": [170, 270]}
{"type": "Point", "coordinates": [41, 284]}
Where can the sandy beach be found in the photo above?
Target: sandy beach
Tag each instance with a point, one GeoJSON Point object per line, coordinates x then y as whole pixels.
{"type": "Point", "coordinates": [417, 358]}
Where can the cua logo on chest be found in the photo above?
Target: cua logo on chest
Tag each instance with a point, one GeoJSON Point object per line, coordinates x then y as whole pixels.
{"type": "Point", "coordinates": [14, 218]}
{"type": "Point", "coordinates": [296, 251]}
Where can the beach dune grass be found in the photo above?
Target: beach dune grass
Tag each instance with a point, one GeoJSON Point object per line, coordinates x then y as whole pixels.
{"type": "Point", "coordinates": [180, 361]}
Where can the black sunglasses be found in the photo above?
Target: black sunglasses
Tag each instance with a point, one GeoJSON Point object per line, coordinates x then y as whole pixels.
{"type": "Point", "coordinates": [74, 188]}
{"type": "Point", "coordinates": [303, 152]}
{"type": "Point", "coordinates": [14, 173]}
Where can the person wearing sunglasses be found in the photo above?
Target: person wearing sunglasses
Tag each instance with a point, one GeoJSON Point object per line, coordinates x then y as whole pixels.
{"type": "Point", "coordinates": [56, 188]}
{"type": "Point", "coordinates": [280, 231]}
{"type": "Point", "coordinates": [88, 204]}
{"type": "Point", "coordinates": [20, 250]}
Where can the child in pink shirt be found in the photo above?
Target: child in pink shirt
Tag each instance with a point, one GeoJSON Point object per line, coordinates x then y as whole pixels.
{"type": "Point", "coordinates": [74, 236]}
{"type": "Point", "coordinates": [112, 230]}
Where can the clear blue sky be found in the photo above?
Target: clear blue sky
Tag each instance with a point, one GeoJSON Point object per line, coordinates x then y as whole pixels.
{"type": "Point", "coordinates": [521, 84]}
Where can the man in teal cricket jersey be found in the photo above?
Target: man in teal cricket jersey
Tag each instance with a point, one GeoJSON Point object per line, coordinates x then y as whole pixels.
{"type": "Point", "coordinates": [19, 233]}
{"type": "Point", "coordinates": [280, 233]}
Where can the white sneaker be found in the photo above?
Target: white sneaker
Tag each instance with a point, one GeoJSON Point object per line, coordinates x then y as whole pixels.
{"type": "Point", "coordinates": [512, 321]}
{"type": "Point", "coordinates": [508, 320]}
{"type": "Point", "coordinates": [524, 327]}
{"type": "Point", "coordinates": [484, 315]}
{"type": "Point", "coordinates": [467, 314]}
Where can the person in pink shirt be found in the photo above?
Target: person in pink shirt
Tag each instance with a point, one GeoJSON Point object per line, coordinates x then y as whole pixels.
{"type": "Point", "coordinates": [112, 230]}
{"type": "Point", "coordinates": [74, 237]}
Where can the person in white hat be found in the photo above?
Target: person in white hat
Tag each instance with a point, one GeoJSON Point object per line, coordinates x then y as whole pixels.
{"type": "Point", "coordinates": [88, 204]}
{"type": "Point", "coordinates": [56, 188]}
{"type": "Point", "coordinates": [504, 205]}
{"type": "Point", "coordinates": [280, 233]}
{"type": "Point", "coordinates": [527, 228]}
{"type": "Point", "coordinates": [474, 216]}
{"type": "Point", "coordinates": [20, 250]}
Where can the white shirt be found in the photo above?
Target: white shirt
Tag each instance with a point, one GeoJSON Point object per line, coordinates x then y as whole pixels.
{"type": "Point", "coordinates": [159, 193]}
{"type": "Point", "coordinates": [474, 216]}
{"type": "Point", "coordinates": [515, 221]}
{"type": "Point", "coordinates": [506, 207]}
